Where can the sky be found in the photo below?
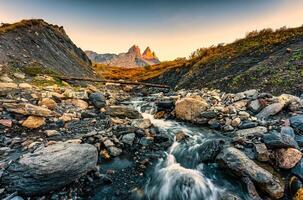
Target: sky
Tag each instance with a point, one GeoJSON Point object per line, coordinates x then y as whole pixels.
{"type": "Point", "coordinates": [172, 28]}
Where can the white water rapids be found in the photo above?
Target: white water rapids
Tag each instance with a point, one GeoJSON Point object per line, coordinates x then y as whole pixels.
{"type": "Point", "coordinates": [172, 180]}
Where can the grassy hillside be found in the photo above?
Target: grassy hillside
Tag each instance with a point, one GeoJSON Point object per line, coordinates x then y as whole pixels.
{"type": "Point", "coordinates": [267, 60]}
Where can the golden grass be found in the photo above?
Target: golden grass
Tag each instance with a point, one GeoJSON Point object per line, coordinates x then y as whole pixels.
{"type": "Point", "coordinates": [138, 73]}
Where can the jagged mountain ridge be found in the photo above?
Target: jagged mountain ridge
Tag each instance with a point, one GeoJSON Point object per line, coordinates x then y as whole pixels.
{"type": "Point", "coordinates": [132, 58]}
{"type": "Point", "coordinates": [36, 43]}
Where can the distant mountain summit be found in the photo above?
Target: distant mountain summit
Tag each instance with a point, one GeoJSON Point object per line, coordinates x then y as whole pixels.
{"type": "Point", "coordinates": [132, 58]}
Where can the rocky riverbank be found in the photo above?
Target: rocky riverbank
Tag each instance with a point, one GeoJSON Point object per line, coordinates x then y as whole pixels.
{"type": "Point", "coordinates": [95, 142]}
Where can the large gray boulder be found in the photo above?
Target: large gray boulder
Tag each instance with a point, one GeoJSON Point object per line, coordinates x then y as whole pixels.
{"type": "Point", "coordinates": [123, 112]}
{"type": "Point", "coordinates": [50, 168]}
{"type": "Point", "coordinates": [241, 165]}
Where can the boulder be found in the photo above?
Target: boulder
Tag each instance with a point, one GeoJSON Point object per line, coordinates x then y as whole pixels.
{"type": "Point", "coordinates": [297, 123]}
{"type": "Point", "coordinates": [190, 108]}
{"type": "Point", "coordinates": [29, 109]}
{"type": "Point", "coordinates": [50, 168]}
{"type": "Point", "coordinates": [123, 112]}
{"type": "Point", "coordinates": [97, 99]}
{"type": "Point", "coordinates": [239, 164]}
{"type": "Point", "coordinates": [270, 110]}
{"type": "Point", "coordinates": [287, 158]}
{"type": "Point", "coordinates": [33, 122]}
{"type": "Point", "coordinates": [276, 140]}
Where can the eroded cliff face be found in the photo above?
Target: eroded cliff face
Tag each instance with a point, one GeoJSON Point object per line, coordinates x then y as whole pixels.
{"type": "Point", "coordinates": [37, 43]}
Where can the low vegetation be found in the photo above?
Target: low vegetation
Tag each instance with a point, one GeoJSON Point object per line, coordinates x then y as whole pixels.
{"type": "Point", "coordinates": [138, 73]}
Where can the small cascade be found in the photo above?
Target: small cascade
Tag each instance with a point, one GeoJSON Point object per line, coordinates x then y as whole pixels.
{"type": "Point", "coordinates": [175, 178]}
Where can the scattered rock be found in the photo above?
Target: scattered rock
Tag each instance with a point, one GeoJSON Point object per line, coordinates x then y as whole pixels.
{"type": "Point", "coordinates": [25, 86]}
{"type": "Point", "coordinates": [51, 133]}
{"type": "Point", "coordinates": [114, 151]}
{"type": "Point", "coordinates": [29, 109]}
{"type": "Point", "coordinates": [241, 165]}
{"type": "Point", "coordinates": [209, 114]}
{"type": "Point", "coordinates": [236, 122]}
{"type": "Point", "coordinates": [33, 122]}
{"type": "Point", "coordinates": [276, 140]}
{"type": "Point", "coordinates": [142, 123]}
{"type": "Point", "coordinates": [180, 136]}
{"type": "Point", "coordinates": [49, 103]}
{"type": "Point", "coordinates": [255, 106]}
{"type": "Point", "coordinates": [79, 103]}
{"type": "Point", "coordinates": [262, 153]}
{"type": "Point", "coordinates": [128, 138]}
{"type": "Point", "coordinates": [297, 123]}
{"type": "Point", "coordinates": [251, 132]}
{"type": "Point", "coordinates": [6, 122]}
{"type": "Point", "coordinates": [50, 168]}
{"type": "Point", "coordinates": [288, 158]}
{"type": "Point", "coordinates": [270, 110]}
{"type": "Point", "coordinates": [98, 100]}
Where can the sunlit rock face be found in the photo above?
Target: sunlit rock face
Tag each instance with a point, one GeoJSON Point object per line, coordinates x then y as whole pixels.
{"type": "Point", "coordinates": [132, 58]}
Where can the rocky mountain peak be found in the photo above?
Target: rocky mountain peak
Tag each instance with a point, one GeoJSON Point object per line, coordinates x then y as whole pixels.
{"type": "Point", "coordinates": [134, 50]}
{"type": "Point", "coordinates": [148, 54]}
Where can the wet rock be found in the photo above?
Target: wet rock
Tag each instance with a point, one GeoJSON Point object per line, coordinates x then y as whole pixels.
{"type": "Point", "coordinates": [190, 108]}
{"type": "Point", "coordinates": [254, 106]}
{"type": "Point", "coordinates": [295, 188]}
{"type": "Point", "coordinates": [297, 123]}
{"type": "Point", "coordinates": [298, 169]}
{"type": "Point", "coordinates": [241, 165]}
{"type": "Point", "coordinates": [248, 124]}
{"type": "Point", "coordinates": [209, 150]}
{"type": "Point", "coordinates": [214, 124]}
{"type": "Point", "coordinates": [276, 140]}
{"type": "Point", "coordinates": [251, 132]}
{"type": "Point", "coordinates": [288, 131]}
{"type": "Point", "coordinates": [49, 103]}
{"type": "Point", "coordinates": [166, 105]}
{"type": "Point", "coordinates": [288, 158]}
{"type": "Point", "coordinates": [270, 110]}
{"type": "Point", "coordinates": [33, 122]}
{"type": "Point", "coordinates": [29, 109]}
{"type": "Point", "coordinates": [123, 112]}
{"type": "Point", "coordinates": [299, 140]}
{"type": "Point", "coordinates": [142, 123]}
{"type": "Point", "coordinates": [129, 138]}
{"type": "Point", "coordinates": [262, 153]}
{"type": "Point", "coordinates": [6, 122]}
{"type": "Point", "coordinates": [98, 100]}
{"type": "Point", "coordinates": [146, 141]}
{"type": "Point", "coordinates": [180, 136]}
{"type": "Point", "coordinates": [159, 115]}
{"type": "Point", "coordinates": [209, 114]}
{"type": "Point", "coordinates": [114, 151]}
{"type": "Point", "coordinates": [50, 168]}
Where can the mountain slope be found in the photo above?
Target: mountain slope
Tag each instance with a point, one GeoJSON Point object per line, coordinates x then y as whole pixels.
{"type": "Point", "coordinates": [267, 60]}
{"type": "Point", "coordinates": [35, 43]}
{"type": "Point", "coordinates": [132, 58]}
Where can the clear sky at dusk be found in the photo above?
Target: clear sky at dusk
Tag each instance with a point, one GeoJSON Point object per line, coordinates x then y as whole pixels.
{"type": "Point", "coordinates": [173, 28]}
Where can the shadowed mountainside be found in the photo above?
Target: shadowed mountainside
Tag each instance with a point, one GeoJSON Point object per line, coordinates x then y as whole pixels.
{"type": "Point", "coordinates": [35, 46]}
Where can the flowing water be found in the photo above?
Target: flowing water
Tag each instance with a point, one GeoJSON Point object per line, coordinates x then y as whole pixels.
{"type": "Point", "coordinates": [181, 175]}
